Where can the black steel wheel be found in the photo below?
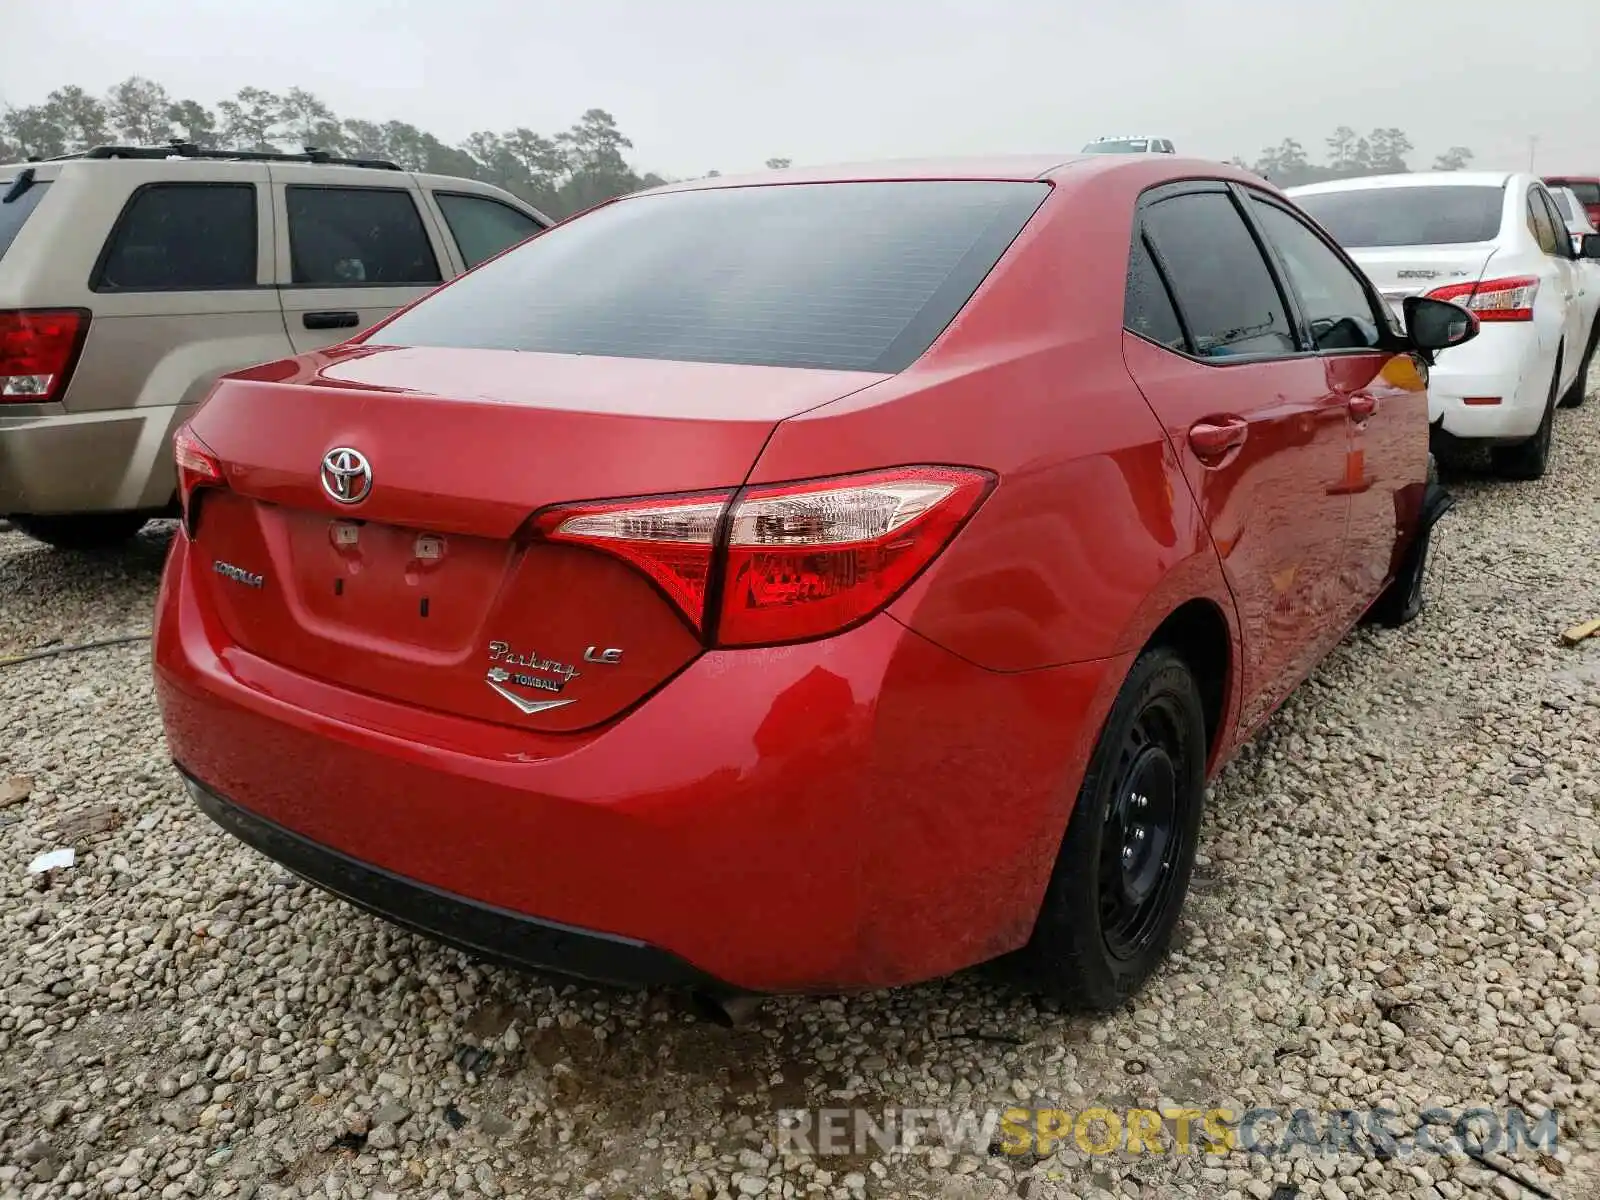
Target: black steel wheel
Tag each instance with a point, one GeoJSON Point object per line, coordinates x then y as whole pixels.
{"type": "Point", "coordinates": [1123, 868]}
{"type": "Point", "coordinates": [1143, 835]}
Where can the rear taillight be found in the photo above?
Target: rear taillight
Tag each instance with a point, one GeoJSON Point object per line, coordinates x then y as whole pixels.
{"type": "Point", "coordinates": [782, 562]}
{"type": "Point", "coordinates": [669, 538]}
{"type": "Point", "coordinates": [1494, 299]}
{"type": "Point", "coordinates": [38, 349]}
{"type": "Point", "coordinates": [197, 467]}
{"type": "Point", "coordinates": [809, 559]}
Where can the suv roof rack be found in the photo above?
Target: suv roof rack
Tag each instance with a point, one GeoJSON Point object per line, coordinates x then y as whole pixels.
{"type": "Point", "coordinates": [178, 148]}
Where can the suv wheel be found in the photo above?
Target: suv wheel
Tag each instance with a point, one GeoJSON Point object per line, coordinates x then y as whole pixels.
{"type": "Point", "coordinates": [82, 531]}
{"type": "Point", "coordinates": [1123, 868]}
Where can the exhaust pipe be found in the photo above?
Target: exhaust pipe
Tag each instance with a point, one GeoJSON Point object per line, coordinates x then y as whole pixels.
{"type": "Point", "coordinates": [727, 1011]}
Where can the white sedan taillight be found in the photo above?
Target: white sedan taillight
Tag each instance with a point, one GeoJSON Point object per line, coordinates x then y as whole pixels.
{"type": "Point", "coordinates": [1494, 299]}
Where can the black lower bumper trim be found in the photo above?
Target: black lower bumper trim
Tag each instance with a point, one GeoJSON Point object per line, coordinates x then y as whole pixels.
{"type": "Point", "coordinates": [493, 933]}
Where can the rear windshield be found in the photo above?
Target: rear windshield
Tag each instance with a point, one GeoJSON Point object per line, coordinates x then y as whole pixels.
{"type": "Point", "coordinates": [1408, 216]}
{"type": "Point", "coordinates": [848, 276]}
{"type": "Point", "coordinates": [1587, 193]}
{"type": "Point", "coordinates": [13, 214]}
{"type": "Point", "coordinates": [1124, 146]}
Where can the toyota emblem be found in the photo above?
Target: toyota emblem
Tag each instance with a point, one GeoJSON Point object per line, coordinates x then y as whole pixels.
{"type": "Point", "coordinates": [346, 475]}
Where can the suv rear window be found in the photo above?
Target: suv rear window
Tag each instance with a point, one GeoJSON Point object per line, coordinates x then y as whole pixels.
{"type": "Point", "coordinates": [1408, 216]}
{"type": "Point", "coordinates": [12, 215]}
{"type": "Point", "coordinates": [182, 237]}
{"type": "Point", "coordinates": [848, 276]}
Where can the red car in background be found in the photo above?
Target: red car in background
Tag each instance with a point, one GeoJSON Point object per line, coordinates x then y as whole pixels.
{"type": "Point", "coordinates": [1585, 187]}
{"type": "Point", "coordinates": [817, 581]}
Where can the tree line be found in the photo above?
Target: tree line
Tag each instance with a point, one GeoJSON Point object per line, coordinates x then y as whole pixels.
{"type": "Point", "coordinates": [560, 174]}
{"type": "Point", "coordinates": [1381, 152]}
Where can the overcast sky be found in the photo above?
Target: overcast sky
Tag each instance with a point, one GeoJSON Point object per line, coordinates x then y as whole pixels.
{"type": "Point", "coordinates": [725, 84]}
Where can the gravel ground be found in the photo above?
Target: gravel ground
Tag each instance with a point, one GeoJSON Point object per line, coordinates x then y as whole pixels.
{"type": "Point", "coordinates": [1397, 903]}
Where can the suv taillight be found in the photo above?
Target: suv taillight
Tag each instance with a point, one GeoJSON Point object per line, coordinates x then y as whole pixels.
{"type": "Point", "coordinates": [197, 468]}
{"type": "Point", "coordinates": [38, 349]}
{"type": "Point", "coordinates": [782, 562]}
{"type": "Point", "coordinates": [1494, 299]}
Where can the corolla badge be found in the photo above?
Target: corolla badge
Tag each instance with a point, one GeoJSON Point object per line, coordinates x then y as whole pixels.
{"type": "Point", "coordinates": [238, 574]}
{"type": "Point", "coordinates": [346, 475]}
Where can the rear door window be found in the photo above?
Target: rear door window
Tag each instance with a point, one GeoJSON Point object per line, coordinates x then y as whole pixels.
{"type": "Point", "coordinates": [353, 237]}
{"type": "Point", "coordinates": [1336, 305]}
{"type": "Point", "coordinates": [1147, 306]}
{"type": "Point", "coordinates": [1541, 225]}
{"type": "Point", "coordinates": [1449, 214]}
{"type": "Point", "coordinates": [846, 276]}
{"type": "Point", "coordinates": [1563, 205]}
{"type": "Point", "coordinates": [1557, 221]}
{"type": "Point", "coordinates": [182, 237]}
{"type": "Point", "coordinates": [483, 227]}
{"type": "Point", "coordinates": [1222, 284]}
{"type": "Point", "coordinates": [15, 212]}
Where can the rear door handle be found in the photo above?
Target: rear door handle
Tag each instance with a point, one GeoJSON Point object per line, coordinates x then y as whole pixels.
{"type": "Point", "coordinates": [1362, 406]}
{"type": "Point", "coordinates": [330, 320]}
{"type": "Point", "coordinates": [1213, 439]}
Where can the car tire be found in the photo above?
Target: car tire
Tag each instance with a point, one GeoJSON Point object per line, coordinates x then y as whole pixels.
{"type": "Point", "coordinates": [1528, 460]}
{"type": "Point", "coordinates": [1404, 599]}
{"type": "Point", "coordinates": [82, 531]}
{"type": "Point", "coordinates": [1575, 394]}
{"type": "Point", "coordinates": [1123, 868]}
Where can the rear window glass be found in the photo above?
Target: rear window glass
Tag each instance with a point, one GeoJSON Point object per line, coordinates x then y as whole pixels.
{"type": "Point", "coordinates": [1587, 193]}
{"type": "Point", "coordinates": [183, 237]}
{"type": "Point", "coordinates": [1122, 146]}
{"type": "Point", "coordinates": [848, 276]}
{"type": "Point", "coordinates": [1408, 216]}
{"type": "Point", "coordinates": [12, 215]}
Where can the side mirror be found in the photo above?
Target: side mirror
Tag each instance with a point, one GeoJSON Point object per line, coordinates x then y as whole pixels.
{"type": "Point", "coordinates": [1434, 325]}
{"type": "Point", "coordinates": [1590, 247]}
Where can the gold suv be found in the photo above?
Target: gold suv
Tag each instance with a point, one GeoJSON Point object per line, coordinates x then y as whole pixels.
{"type": "Point", "coordinates": [131, 277]}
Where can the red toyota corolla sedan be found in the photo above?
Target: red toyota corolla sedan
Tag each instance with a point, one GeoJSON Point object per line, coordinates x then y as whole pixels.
{"type": "Point", "coordinates": [816, 581]}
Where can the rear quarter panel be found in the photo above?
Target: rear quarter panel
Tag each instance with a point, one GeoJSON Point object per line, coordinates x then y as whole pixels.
{"type": "Point", "coordinates": [1091, 539]}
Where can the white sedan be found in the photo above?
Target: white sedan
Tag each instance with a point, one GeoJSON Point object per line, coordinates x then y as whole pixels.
{"type": "Point", "coordinates": [1497, 244]}
{"type": "Point", "coordinates": [1578, 224]}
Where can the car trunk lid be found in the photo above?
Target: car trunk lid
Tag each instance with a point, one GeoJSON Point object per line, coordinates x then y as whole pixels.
{"type": "Point", "coordinates": [429, 590]}
{"type": "Point", "coordinates": [1402, 271]}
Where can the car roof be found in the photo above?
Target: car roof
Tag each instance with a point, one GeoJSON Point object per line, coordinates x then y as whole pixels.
{"type": "Point", "coordinates": [1022, 168]}
{"type": "Point", "coordinates": [1408, 179]}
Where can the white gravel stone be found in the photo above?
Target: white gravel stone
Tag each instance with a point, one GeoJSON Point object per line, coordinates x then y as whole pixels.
{"type": "Point", "coordinates": [1397, 904]}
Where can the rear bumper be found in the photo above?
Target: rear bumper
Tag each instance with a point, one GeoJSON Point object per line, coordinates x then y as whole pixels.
{"type": "Point", "coordinates": [1504, 361]}
{"type": "Point", "coordinates": [477, 928]}
{"type": "Point", "coordinates": [863, 811]}
{"type": "Point", "coordinates": [118, 460]}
